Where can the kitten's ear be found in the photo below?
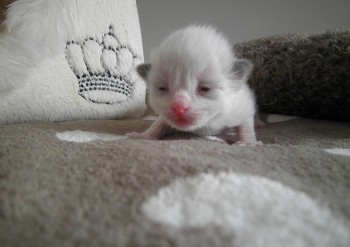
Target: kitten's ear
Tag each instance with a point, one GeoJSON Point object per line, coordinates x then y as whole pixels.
{"type": "Point", "coordinates": [241, 69]}
{"type": "Point", "coordinates": [143, 70]}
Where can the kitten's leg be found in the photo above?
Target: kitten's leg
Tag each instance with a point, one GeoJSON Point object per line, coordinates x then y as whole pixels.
{"type": "Point", "coordinates": [246, 134]}
{"type": "Point", "coordinates": [158, 129]}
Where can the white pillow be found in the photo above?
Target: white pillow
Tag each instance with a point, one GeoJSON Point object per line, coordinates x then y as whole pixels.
{"type": "Point", "coordinates": [71, 59]}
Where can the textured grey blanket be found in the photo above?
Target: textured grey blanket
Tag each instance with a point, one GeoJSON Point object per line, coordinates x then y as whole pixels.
{"type": "Point", "coordinates": [82, 184]}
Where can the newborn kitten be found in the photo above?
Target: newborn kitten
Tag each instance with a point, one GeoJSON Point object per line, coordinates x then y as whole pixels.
{"type": "Point", "coordinates": [197, 85]}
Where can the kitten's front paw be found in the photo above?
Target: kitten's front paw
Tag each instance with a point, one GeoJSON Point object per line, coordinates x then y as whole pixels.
{"type": "Point", "coordinates": [248, 144]}
{"type": "Point", "coordinates": [137, 135]}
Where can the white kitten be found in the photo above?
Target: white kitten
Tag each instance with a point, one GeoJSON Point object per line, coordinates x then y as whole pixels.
{"type": "Point", "coordinates": [197, 85]}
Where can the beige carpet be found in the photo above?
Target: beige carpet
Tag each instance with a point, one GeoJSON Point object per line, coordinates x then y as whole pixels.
{"type": "Point", "coordinates": [63, 187]}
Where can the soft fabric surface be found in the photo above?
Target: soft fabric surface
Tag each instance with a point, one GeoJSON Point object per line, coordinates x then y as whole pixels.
{"type": "Point", "coordinates": [64, 60]}
{"type": "Point", "coordinates": [82, 183]}
{"type": "Point", "coordinates": [301, 74]}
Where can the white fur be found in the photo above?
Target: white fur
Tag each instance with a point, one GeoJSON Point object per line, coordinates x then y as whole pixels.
{"type": "Point", "coordinates": [189, 61]}
{"type": "Point", "coordinates": [37, 81]}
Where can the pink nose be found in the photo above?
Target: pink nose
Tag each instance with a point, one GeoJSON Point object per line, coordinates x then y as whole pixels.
{"type": "Point", "coordinates": [179, 108]}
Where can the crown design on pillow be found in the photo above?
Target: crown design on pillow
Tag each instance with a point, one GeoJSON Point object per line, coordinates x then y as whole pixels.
{"type": "Point", "coordinates": [103, 67]}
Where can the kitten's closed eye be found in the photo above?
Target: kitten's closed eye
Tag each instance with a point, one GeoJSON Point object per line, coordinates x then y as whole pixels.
{"type": "Point", "coordinates": [162, 89]}
{"type": "Point", "coordinates": [204, 89]}
{"type": "Point", "coordinates": [209, 91]}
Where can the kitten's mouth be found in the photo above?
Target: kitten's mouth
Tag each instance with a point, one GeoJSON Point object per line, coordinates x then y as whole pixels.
{"type": "Point", "coordinates": [182, 122]}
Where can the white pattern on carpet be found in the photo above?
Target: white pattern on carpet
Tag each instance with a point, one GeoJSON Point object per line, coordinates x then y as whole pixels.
{"type": "Point", "coordinates": [339, 151]}
{"type": "Point", "coordinates": [255, 209]}
{"type": "Point", "coordinates": [275, 118]}
{"type": "Point", "coordinates": [150, 118]}
{"type": "Point", "coordinates": [86, 136]}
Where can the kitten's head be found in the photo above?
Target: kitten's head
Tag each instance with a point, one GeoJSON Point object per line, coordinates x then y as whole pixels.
{"type": "Point", "coordinates": [191, 77]}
